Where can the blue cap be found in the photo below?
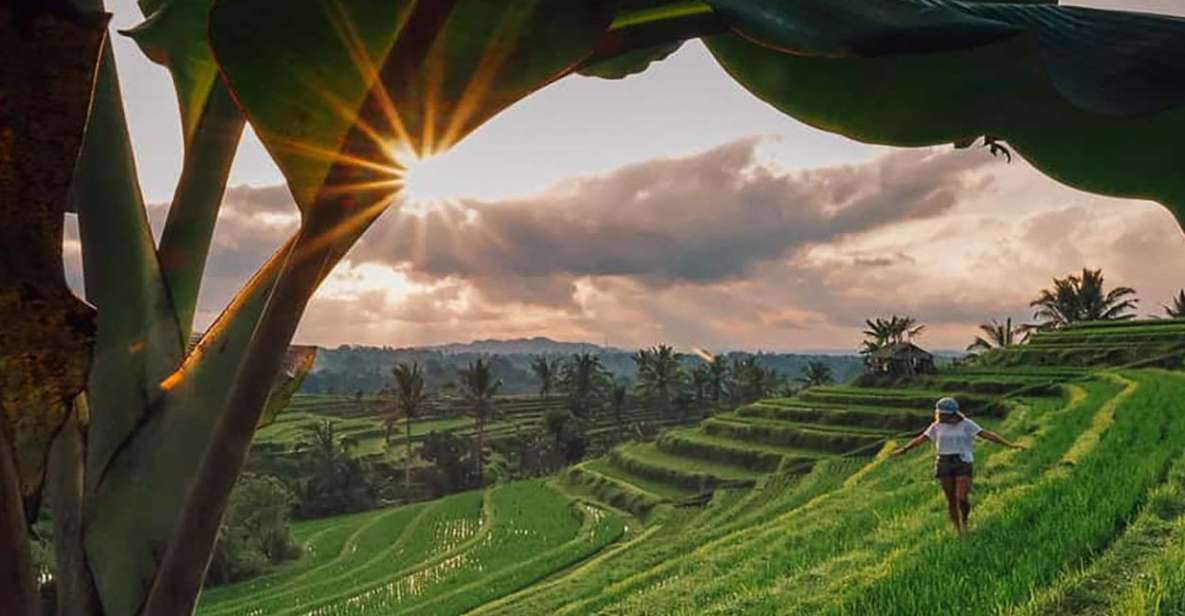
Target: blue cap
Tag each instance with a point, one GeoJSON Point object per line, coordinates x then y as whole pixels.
{"type": "Point", "coordinates": [947, 406]}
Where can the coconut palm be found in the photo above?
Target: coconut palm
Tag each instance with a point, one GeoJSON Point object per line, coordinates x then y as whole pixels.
{"type": "Point", "coordinates": [410, 399]}
{"type": "Point", "coordinates": [719, 378]}
{"type": "Point", "coordinates": [618, 399]}
{"type": "Point", "coordinates": [1082, 298]}
{"type": "Point", "coordinates": [701, 378]}
{"type": "Point", "coordinates": [547, 371]}
{"type": "Point", "coordinates": [816, 373]}
{"type": "Point", "coordinates": [479, 387]}
{"type": "Point", "coordinates": [1177, 310]}
{"type": "Point", "coordinates": [998, 335]}
{"type": "Point", "coordinates": [881, 332]}
{"type": "Point", "coordinates": [586, 382]}
{"type": "Point", "coordinates": [325, 449]}
{"type": "Point", "coordinates": [751, 381]}
{"type": "Point", "coordinates": [660, 376]}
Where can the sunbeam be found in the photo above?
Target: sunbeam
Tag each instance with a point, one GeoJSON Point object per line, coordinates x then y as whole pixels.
{"type": "Point", "coordinates": [428, 183]}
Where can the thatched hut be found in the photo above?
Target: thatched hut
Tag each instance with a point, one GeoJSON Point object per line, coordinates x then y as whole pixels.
{"type": "Point", "coordinates": [901, 359]}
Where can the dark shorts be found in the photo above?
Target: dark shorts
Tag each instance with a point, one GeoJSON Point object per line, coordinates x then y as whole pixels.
{"type": "Point", "coordinates": [951, 466]}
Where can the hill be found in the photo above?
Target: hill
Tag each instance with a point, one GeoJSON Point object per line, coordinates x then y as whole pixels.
{"type": "Point", "coordinates": [538, 345]}
{"type": "Point", "coordinates": [792, 505]}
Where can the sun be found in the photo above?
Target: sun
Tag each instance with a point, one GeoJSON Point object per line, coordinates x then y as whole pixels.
{"type": "Point", "coordinates": [429, 183]}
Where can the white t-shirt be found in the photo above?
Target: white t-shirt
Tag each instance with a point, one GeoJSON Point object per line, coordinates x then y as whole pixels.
{"type": "Point", "coordinates": [954, 438]}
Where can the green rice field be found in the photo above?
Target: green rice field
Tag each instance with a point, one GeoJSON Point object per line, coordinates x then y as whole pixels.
{"type": "Point", "coordinates": [793, 506]}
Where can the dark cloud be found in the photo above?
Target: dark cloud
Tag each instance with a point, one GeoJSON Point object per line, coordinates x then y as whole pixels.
{"type": "Point", "coordinates": [718, 250]}
{"type": "Point", "coordinates": [699, 219]}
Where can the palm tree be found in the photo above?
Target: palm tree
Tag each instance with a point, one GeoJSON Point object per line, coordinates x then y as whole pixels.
{"type": "Point", "coordinates": [660, 376]}
{"type": "Point", "coordinates": [999, 335]}
{"type": "Point", "coordinates": [555, 422]}
{"type": "Point", "coordinates": [701, 378]}
{"type": "Point", "coordinates": [479, 387]}
{"type": "Point", "coordinates": [585, 381]}
{"type": "Point", "coordinates": [1177, 310]}
{"type": "Point", "coordinates": [323, 446]}
{"type": "Point", "coordinates": [1082, 298]}
{"type": "Point", "coordinates": [546, 370]}
{"type": "Point", "coordinates": [410, 399]}
{"type": "Point", "coordinates": [816, 373]}
{"type": "Point", "coordinates": [618, 399]}
{"type": "Point", "coordinates": [882, 332]}
{"type": "Point", "coordinates": [751, 380]}
{"type": "Point", "coordinates": [719, 378]}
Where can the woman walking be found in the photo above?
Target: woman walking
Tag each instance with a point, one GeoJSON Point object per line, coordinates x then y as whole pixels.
{"type": "Point", "coordinates": [953, 434]}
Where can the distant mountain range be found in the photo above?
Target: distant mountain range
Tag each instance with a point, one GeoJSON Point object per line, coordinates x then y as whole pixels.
{"type": "Point", "coordinates": [538, 345]}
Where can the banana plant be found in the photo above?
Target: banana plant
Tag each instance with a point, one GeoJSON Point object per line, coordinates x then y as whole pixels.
{"type": "Point", "coordinates": [141, 437]}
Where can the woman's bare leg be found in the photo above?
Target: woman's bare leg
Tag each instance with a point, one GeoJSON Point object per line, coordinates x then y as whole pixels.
{"type": "Point", "coordinates": [963, 493]}
{"type": "Point", "coordinates": [952, 502]}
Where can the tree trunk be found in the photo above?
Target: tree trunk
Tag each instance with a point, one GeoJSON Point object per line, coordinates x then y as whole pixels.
{"type": "Point", "coordinates": [481, 426]}
{"type": "Point", "coordinates": [407, 462]}
{"type": "Point", "coordinates": [18, 588]}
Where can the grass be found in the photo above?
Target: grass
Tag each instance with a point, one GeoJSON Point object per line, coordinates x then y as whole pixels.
{"type": "Point", "coordinates": [879, 544]}
{"type": "Point", "coordinates": [759, 457]}
{"type": "Point", "coordinates": [1089, 519]}
{"type": "Point", "coordinates": [645, 460]}
{"type": "Point", "coordinates": [816, 437]}
{"type": "Point", "coordinates": [659, 489]}
{"type": "Point", "coordinates": [439, 557]}
{"type": "Point", "coordinates": [614, 492]}
{"type": "Point", "coordinates": [891, 418]}
{"type": "Point", "coordinates": [379, 545]}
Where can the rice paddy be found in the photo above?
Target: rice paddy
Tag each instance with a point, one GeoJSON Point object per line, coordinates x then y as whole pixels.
{"type": "Point", "coordinates": [792, 506]}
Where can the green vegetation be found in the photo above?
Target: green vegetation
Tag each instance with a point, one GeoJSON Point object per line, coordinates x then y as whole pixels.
{"type": "Point", "coordinates": [255, 533]}
{"type": "Point", "coordinates": [791, 505]}
{"type": "Point", "coordinates": [1084, 297]}
{"type": "Point", "coordinates": [439, 557]}
{"type": "Point", "coordinates": [1096, 344]}
{"type": "Point", "coordinates": [169, 427]}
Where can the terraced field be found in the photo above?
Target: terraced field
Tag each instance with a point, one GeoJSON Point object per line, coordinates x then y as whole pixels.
{"type": "Point", "coordinates": [785, 435]}
{"type": "Point", "coordinates": [440, 557]}
{"type": "Point", "coordinates": [792, 506]}
{"type": "Point", "coordinates": [1105, 343]}
{"type": "Point", "coordinates": [1087, 520]}
{"type": "Point", "coordinates": [362, 421]}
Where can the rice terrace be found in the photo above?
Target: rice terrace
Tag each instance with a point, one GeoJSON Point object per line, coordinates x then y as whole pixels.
{"type": "Point", "coordinates": [773, 307]}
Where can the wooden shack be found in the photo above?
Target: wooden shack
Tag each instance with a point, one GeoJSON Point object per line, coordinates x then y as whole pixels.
{"type": "Point", "coordinates": [901, 359]}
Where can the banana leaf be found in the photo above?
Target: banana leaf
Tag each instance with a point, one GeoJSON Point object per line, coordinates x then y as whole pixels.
{"type": "Point", "coordinates": [1007, 89]}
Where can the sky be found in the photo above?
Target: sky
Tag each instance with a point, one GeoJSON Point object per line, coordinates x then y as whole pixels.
{"type": "Point", "coordinates": [673, 207]}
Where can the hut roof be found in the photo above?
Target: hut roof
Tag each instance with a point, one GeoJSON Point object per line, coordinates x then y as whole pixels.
{"type": "Point", "coordinates": [901, 350]}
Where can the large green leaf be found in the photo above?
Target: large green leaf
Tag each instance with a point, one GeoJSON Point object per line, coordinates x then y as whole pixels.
{"type": "Point", "coordinates": [631, 62]}
{"type": "Point", "coordinates": [189, 228]}
{"type": "Point", "coordinates": [173, 35]}
{"type": "Point", "coordinates": [642, 35]}
{"type": "Point", "coordinates": [138, 342]}
{"type": "Point", "coordinates": [439, 82]}
{"type": "Point", "coordinates": [845, 28]}
{"type": "Point", "coordinates": [1110, 62]}
{"type": "Point", "coordinates": [1103, 61]}
{"type": "Point", "coordinates": [1003, 89]}
{"type": "Point", "coordinates": [46, 333]}
{"type": "Point", "coordinates": [297, 365]}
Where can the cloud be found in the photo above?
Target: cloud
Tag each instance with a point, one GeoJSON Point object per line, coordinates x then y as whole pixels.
{"type": "Point", "coordinates": [699, 219]}
{"type": "Point", "coordinates": [721, 249]}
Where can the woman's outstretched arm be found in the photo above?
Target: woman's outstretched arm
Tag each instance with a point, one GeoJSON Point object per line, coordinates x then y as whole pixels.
{"type": "Point", "coordinates": [996, 438]}
{"type": "Point", "coordinates": [917, 440]}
